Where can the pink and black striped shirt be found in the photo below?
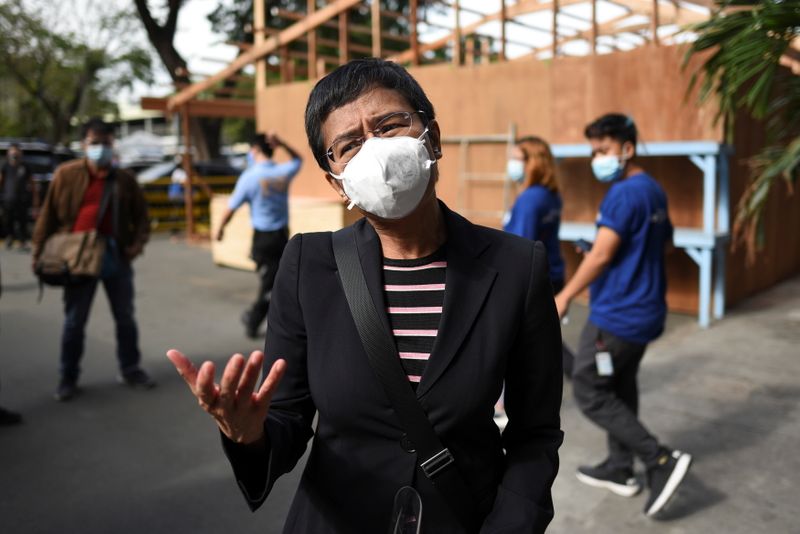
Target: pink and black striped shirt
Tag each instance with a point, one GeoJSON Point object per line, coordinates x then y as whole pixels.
{"type": "Point", "coordinates": [414, 291]}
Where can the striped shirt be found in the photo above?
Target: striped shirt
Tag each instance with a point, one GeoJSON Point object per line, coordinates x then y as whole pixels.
{"type": "Point", "coordinates": [414, 291]}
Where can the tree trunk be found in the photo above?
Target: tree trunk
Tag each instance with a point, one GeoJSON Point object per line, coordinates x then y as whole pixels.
{"type": "Point", "coordinates": [205, 132]}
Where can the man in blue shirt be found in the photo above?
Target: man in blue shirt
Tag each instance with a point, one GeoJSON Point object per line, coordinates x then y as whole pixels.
{"type": "Point", "coordinates": [265, 186]}
{"type": "Point", "coordinates": [625, 272]}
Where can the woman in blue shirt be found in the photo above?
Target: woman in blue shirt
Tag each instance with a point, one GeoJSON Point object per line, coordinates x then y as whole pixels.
{"type": "Point", "coordinates": [536, 214]}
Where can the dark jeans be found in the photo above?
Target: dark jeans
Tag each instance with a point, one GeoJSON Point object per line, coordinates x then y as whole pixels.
{"type": "Point", "coordinates": [612, 402]}
{"type": "Point", "coordinates": [15, 221]}
{"type": "Point", "coordinates": [266, 252]}
{"type": "Point", "coordinates": [77, 304]}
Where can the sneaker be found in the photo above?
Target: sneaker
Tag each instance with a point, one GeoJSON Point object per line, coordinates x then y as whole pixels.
{"type": "Point", "coordinates": [67, 390]}
{"type": "Point", "coordinates": [8, 418]}
{"type": "Point", "coordinates": [664, 479]}
{"type": "Point", "coordinates": [249, 330]}
{"type": "Point", "coordinates": [619, 481]}
{"type": "Point", "coordinates": [137, 379]}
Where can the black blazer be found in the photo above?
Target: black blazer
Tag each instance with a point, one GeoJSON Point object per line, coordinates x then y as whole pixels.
{"type": "Point", "coordinates": [499, 324]}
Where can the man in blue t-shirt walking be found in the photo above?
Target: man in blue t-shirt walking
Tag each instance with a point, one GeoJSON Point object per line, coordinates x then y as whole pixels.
{"type": "Point", "coordinates": [265, 186]}
{"type": "Point", "coordinates": [625, 272]}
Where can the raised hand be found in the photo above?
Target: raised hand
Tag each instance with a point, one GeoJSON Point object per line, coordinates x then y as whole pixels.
{"type": "Point", "coordinates": [234, 403]}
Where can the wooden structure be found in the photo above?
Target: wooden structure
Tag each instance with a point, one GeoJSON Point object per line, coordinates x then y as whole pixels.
{"type": "Point", "coordinates": [630, 62]}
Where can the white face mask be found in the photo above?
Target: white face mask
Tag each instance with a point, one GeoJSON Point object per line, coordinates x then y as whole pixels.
{"type": "Point", "coordinates": [515, 170]}
{"type": "Point", "coordinates": [389, 175]}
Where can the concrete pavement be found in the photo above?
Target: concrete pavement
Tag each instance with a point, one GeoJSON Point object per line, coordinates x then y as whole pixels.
{"type": "Point", "coordinates": [117, 460]}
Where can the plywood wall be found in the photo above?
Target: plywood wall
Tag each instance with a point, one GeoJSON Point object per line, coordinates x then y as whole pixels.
{"type": "Point", "coordinates": [555, 100]}
{"type": "Point", "coordinates": [780, 256]}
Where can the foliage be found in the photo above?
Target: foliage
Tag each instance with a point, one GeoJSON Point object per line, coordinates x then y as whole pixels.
{"type": "Point", "coordinates": [58, 71]}
{"type": "Point", "coordinates": [742, 44]}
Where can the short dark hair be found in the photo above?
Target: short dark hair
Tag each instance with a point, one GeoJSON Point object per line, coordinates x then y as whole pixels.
{"type": "Point", "coordinates": [350, 81]}
{"type": "Point", "coordinates": [260, 141]}
{"type": "Point", "coordinates": [614, 125]}
{"type": "Point", "coordinates": [15, 145]}
{"type": "Point", "coordinates": [98, 126]}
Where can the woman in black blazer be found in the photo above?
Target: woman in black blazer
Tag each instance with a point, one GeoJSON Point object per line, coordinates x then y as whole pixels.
{"type": "Point", "coordinates": [469, 309]}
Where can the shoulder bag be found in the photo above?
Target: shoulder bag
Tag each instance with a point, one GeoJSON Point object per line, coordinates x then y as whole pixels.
{"type": "Point", "coordinates": [70, 257]}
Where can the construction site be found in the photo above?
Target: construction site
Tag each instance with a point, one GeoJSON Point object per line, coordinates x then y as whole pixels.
{"type": "Point", "coordinates": [525, 68]}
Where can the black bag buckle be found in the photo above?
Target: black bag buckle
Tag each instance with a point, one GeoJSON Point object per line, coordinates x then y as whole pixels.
{"type": "Point", "coordinates": [437, 463]}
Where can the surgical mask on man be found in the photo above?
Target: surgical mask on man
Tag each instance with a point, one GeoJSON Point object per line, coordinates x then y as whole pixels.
{"type": "Point", "coordinates": [99, 155]}
{"type": "Point", "coordinates": [607, 168]}
{"type": "Point", "coordinates": [389, 175]}
{"type": "Point", "coordinates": [515, 169]}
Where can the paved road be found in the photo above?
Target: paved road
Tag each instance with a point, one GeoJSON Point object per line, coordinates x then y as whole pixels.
{"type": "Point", "coordinates": [123, 461]}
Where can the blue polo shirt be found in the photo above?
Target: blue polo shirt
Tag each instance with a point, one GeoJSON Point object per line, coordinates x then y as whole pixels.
{"type": "Point", "coordinates": [628, 299]}
{"type": "Point", "coordinates": [537, 215]}
{"type": "Point", "coordinates": [265, 186]}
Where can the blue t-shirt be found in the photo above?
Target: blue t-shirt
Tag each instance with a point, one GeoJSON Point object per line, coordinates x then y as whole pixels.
{"type": "Point", "coordinates": [265, 186]}
{"type": "Point", "coordinates": [628, 299]}
{"type": "Point", "coordinates": [537, 215]}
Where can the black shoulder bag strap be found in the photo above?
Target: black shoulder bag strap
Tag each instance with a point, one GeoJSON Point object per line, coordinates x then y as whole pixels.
{"type": "Point", "coordinates": [436, 461]}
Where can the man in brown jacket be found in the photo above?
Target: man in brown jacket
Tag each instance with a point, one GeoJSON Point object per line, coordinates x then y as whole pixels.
{"type": "Point", "coordinates": [73, 204]}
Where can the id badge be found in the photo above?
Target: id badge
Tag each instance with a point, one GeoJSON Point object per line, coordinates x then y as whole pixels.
{"type": "Point", "coordinates": [603, 362]}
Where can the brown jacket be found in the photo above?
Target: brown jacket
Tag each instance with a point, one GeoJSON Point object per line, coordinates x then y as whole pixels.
{"type": "Point", "coordinates": [63, 201]}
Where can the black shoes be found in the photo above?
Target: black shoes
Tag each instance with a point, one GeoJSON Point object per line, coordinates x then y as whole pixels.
{"type": "Point", "coordinates": [67, 389]}
{"type": "Point", "coordinates": [249, 330]}
{"type": "Point", "coordinates": [664, 479]}
{"type": "Point", "coordinates": [9, 418]}
{"type": "Point", "coordinates": [137, 379]}
{"type": "Point", "coordinates": [619, 481]}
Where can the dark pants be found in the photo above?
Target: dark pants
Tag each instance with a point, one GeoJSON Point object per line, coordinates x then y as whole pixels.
{"type": "Point", "coordinates": [266, 252]}
{"type": "Point", "coordinates": [77, 304]}
{"type": "Point", "coordinates": [612, 402]}
{"type": "Point", "coordinates": [15, 221]}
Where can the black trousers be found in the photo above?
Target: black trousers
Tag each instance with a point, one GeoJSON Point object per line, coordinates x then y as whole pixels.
{"type": "Point", "coordinates": [266, 252]}
{"type": "Point", "coordinates": [612, 402]}
{"type": "Point", "coordinates": [15, 221]}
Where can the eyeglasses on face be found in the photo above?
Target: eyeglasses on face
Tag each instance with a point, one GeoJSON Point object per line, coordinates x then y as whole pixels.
{"type": "Point", "coordinates": [395, 124]}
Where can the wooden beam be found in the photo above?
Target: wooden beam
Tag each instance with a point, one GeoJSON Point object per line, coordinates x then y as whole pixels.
{"type": "Point", "coordinates": [555, 28]}
{"type": "Point", "coordinates": [187, 168]}
{"type": "Point", "coordinates": [503, 40]}
{"type": "Point", "coordinates": [523, 7]}
{"type": "Point", "coordinates": [607, 28]}
{"type": "Point", "coordinates": [457, 33]}
{"type": "Point", "coordinates": [260, 21]}
{"type": "Point", "coordinates": [270, 45]}
{"type": "Point", "coordinates": [311, 7]}
{"type": "Point", "coordinates": [594, 27]}
{"type": "Point", "coordinates": [469, 51]}
{"type": "Point", "coordinates": [654, 23]}
{"type": "Point", "coordinates": [376, 28]}
{"type": "Point", "coordinates": [211, 108]}
{"type": "Point", "coordinates": [412, 22]}
{"type": "Point", "coordinates": [286, 76]}
{"type": "Point", "coordinates": [344, 55]}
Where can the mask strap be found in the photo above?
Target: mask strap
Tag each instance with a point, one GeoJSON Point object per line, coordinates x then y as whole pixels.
{"type": "Point", "coordinates": [339, 177]}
